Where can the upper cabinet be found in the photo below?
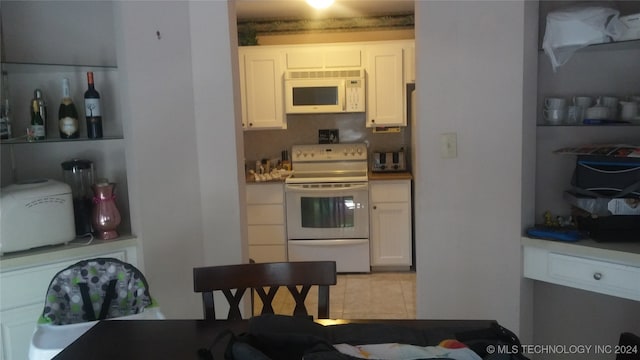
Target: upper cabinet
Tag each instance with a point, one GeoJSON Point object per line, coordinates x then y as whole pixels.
{"type": "Point", "coordinates": [385, 85]}
{"type": "Point", "coordinates": [324, 57]}
{"type": "Point", "coordinates": [261, 86]}
{"type": "Point", "coordinates": [389, 66]}
{"type": "Point", "coordinates": [59, 32]}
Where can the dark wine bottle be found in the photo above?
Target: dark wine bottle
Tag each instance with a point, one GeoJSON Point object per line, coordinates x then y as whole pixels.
{"type": "Point", "coordinates": [5, 110]}
{"type": "Point", "coordinates": [37, 122]}
{"type": "Point", "coordinates": [92, 109]}
{"type": "Point", "coordinates": [42, 108]}
{"type": "Point", "coordinates": [67, 114]}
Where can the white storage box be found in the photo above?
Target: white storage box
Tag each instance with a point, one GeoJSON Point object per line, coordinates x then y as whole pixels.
{"type": "Point", "coordinates": [35, 213]}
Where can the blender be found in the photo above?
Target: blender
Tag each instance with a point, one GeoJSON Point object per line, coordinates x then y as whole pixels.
{"type": "Point", "coordinates": [79, 175]}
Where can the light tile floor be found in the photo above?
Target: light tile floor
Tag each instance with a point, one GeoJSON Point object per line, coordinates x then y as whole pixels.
{"type": "Point", "coordinates": [382, 295]}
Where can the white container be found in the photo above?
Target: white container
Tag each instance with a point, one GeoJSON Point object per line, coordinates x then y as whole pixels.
{"type": "Point", "coordinates": [35, 213]}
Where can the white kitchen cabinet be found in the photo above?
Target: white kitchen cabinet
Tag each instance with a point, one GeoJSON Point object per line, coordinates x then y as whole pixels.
{"type": "Point", "coordinates": [410, 62]}
{"type": "Point", "coordinates": [386, 105]}
{"type": "Point", "coordinates": [261, 86]}
{"type": "Point", "coordinates": [266, 222]}
{"type": "Point", "coordinates": [390, 222]}
{"type": "Point", "coordinates": [611, 269]}
{"type": "Point", "coordinates": [324, 57]}
{"type": "Point", "coordinates": [25, 277]}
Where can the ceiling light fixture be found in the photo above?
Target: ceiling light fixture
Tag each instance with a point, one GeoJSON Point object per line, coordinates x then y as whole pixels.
{"type": "Point", "coordinates": [320, 4]}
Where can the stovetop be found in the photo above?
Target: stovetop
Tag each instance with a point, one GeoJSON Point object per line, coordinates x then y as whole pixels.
{"type": "Point", "coordinates": [329, 163]}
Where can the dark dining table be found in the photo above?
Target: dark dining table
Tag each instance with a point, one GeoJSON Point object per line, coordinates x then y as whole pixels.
{"type": "Point", "coordinates": [182, 339]}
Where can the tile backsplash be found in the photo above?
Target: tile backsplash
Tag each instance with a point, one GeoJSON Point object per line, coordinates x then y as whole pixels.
{"type": "Point", "coordinates": [303, 129]}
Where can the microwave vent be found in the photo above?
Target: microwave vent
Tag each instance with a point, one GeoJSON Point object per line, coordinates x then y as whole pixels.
{"type": "Point", "coordinates": [325, 74]}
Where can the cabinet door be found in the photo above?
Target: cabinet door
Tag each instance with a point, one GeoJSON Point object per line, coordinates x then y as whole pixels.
{"type": "Point", "coordinates": [262, 90]}
{"type": "Point", "coordinates": [385, 86]}
{"type": "Point", "coordinates": [267, 253]}
{"type": "Point", "coordinates": [16, 327]}
{"type": "Point", "coordinates": [391, 234]}
{"type": "Point", "coordinates": [324, 57]}
{"type": "Point", "coordinates": [410, 63]}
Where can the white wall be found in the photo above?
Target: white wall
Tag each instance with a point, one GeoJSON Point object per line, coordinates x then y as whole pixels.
{"type": "Point", "coordinates": [181, 142]}
{"type": "Point", "coordinates": [470, 76]}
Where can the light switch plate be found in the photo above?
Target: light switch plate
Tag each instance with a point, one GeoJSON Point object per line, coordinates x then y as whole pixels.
{"type": "Point", "coordinates": [449, 145]}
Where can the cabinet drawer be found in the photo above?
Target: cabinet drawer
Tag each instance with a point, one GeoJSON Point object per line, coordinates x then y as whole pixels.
{"type": "Point", "coordinates": [388, 191]}
{"type": "Point", "coordinates": [265, 194]}
{"type": "Point", "coordinates": [29, 286]}
{"type": "Point", "coordinates": [266, 235]}
{"type": "Point", "coordinates": [605, 276]}
{"type": "Point", "coordinates": [267, 253]}
{"type": "Point", "coordinates": [265, 214]}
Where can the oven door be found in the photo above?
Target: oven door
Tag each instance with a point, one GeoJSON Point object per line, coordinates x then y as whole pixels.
{"type": "Point", "coordinates": [327, 211]}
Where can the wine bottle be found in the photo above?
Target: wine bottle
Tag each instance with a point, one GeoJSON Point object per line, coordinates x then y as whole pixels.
{"type": "Point", "coordinates": [42, 108]}
{"type": "Point", "coordinates": [92, 109]}
{"type": "Point", "coordinates": [37, 123]}
{"type": "Point", "coordinates": [67, 114]}
{"type": "Point", "coordinates": [5, 110]}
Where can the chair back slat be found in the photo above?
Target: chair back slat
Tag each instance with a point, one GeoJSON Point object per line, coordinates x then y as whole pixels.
{"type": "Point", "coordinates": [257, 276]}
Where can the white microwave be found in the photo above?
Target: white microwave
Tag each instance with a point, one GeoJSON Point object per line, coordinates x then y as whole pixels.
{"type": "Point", "coordinates": [325, 91]}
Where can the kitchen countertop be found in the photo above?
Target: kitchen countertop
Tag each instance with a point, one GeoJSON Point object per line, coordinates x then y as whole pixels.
{"type": "Point", "coordinates": [251, 180]}
{"type": "Point", "coordinates": [52, 253]}
{"type": "Point", "coordinates": [405, 175]}
{"type": "Point", "coordinates": [623, 252]}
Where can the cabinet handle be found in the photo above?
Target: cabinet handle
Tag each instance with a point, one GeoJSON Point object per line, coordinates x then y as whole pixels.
{"type": "Point", "coordinates": [374, 207]}
{"type": "Point", "coordinates": [373, 121]}
{"type": "Point", "coordinates": [250, 124]}
{"type": "Point", "coordinates": [597, 276]}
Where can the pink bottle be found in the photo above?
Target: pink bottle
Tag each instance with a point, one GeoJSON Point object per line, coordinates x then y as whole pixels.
{"type": "Point", "coordinates": [106, 216]}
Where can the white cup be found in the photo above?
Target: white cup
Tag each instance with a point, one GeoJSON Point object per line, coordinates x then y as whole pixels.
{"type": "Point", "coordinates": [610, 102]}
{"type": "Point", "coordinates": [554, 116]}
{"type": "Point", "coordinates": [629, 110]}
{"type": "Point", "coordinates": [583, 101]}
{"type": "Point", "coordinates": [555, 103]}
{"type": "Point", "coordinates": [575, 114]}
{"type": "Point", "coordinates": [598, 113]}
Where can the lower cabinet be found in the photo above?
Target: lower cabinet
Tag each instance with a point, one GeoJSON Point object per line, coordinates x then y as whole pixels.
{"type": "Point", "coordinates": [24, 281]}
{"type": "Point", "coordinates": [390, 223]}
{"type": "Point", "coordinates": [609, 272]}
{"type": "Point", "coordinates": [266, 222]}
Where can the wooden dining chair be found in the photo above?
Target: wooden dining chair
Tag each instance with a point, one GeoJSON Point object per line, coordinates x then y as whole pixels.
{"type": "Point", "coordinates": [298, 277]}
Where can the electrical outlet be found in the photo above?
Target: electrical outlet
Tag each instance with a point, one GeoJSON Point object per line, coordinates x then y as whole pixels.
{"type": "Point", "coordinates": [449, 145]}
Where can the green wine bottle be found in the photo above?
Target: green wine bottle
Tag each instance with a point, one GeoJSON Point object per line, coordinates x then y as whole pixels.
{"type": "Point", "coordinates": [67, 114]}
{"type": "Point", "coordinates": [37, 122]}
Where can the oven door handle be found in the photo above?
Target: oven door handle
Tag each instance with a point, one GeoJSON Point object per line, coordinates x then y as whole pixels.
{"type": "Point", "coordinates": [302, 188]}
{"type": "Point", "coordinates": [330, 242]}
